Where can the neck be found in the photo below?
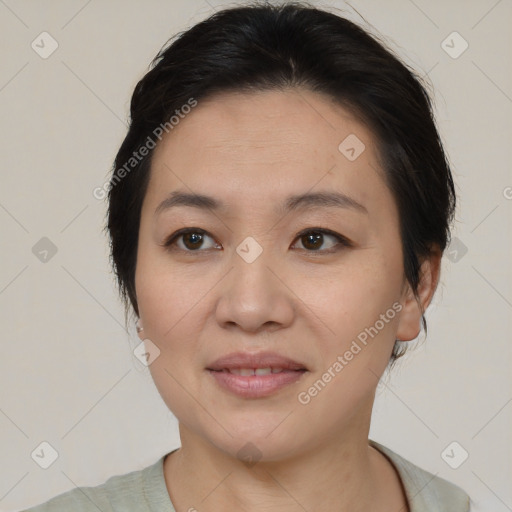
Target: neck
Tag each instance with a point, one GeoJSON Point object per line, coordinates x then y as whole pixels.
{"type": "Point", "coordinates": [342, 473]}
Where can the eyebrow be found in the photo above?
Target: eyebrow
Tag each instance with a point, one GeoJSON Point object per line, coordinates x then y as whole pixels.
{"type": "Point", "coordinates": [306, 201]}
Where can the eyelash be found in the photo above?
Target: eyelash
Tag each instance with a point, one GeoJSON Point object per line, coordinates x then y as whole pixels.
{"type": "Point", "coordinates": [342, 241]}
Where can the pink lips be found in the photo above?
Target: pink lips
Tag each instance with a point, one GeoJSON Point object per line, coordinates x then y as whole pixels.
{"type": "Point", "coordinates": [273, 372]}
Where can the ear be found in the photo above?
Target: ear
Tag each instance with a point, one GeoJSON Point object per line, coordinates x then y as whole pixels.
{"type": "Point", "coordinates": [409, 324]}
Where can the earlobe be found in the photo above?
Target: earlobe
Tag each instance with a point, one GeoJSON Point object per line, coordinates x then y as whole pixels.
{"type": "Point", "coordinates": [140, 329]}
{"type": "Point", "coordinates": [409, 325]}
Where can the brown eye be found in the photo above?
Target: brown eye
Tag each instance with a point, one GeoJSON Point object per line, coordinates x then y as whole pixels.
{"type": "Point", "coordinates": [313, 239]}
{"type": "Point", "coordinates": [192, 239]}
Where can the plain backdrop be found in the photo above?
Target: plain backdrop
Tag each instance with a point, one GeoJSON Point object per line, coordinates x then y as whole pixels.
{"type": "Point", "coordinates": [68, 374]}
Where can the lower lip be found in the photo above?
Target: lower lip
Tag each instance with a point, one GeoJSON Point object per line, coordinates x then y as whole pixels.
{"type": "Point", "coordinates": [256, 386]}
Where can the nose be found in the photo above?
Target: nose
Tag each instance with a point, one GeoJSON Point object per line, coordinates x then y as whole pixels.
{"type": "Point", "coordinates": [254, 297]}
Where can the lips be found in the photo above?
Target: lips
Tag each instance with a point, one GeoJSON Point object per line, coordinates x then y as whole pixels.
{"type": "Point", "coordinates": [255, 375]}
{"type": "Point", "coordinates": [262, 363]}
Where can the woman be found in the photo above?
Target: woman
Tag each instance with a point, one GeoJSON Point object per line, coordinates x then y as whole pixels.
{"type": "Point", "coordinates": [278, 212]}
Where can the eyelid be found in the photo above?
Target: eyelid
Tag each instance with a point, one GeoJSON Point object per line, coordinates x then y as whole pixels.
{"type": "Point", "coordinates": [342, 240]}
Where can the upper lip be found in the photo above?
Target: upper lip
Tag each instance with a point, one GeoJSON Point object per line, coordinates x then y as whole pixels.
{"type": "Point", "coordinates": [255, 360]}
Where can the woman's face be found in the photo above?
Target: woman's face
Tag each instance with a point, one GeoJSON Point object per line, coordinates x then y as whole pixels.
{"type": "Point", "coordinates": [254, 283]}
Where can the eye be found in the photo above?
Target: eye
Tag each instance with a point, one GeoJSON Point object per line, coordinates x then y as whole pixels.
{"type": "Point", "coordinates": [313, 239]}
{"type": "Point", "coordinates": [192, 240]}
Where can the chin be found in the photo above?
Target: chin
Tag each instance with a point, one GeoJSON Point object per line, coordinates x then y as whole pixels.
{"type": "Point", "coordinates": [256, 441]}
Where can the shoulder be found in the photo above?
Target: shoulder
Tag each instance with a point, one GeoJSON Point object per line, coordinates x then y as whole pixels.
{"type": "Point", "coordinates": [120, 492]}
{"type": "Point", "coordinates": [424, 490]}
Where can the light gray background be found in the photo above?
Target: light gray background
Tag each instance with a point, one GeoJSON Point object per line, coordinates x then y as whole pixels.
{"type": "Point", "coordinates": [68, 375]}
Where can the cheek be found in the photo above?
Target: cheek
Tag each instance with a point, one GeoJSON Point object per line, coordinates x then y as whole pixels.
{"type": "Point", "coordinates": [173, 303]}
{"type": "Point", "coordinates": [349, 297]}
{"type": "Point", "coordinates": [170, 307]}
{"type": "Point", "coordinates": [163, 294]}
{"type": "Point", "coordinates": [359, 308]}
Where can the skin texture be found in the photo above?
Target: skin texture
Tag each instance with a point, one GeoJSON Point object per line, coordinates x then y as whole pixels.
{"type": "Point", "coordinates": [252, 151]}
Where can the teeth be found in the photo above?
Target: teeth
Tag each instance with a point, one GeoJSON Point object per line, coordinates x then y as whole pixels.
{"type": "Point", "coordinates": [241, 371]}
{"type": "Point", "coordinates": [254, 371]}
{"type": "Point", "coordinates": [263, 371]}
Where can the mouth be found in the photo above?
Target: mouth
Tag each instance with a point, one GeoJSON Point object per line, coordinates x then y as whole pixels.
{"type": "Point", "coordinates": [255, 375]}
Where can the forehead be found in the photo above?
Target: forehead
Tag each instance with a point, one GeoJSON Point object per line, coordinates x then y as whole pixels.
{"type": "Point", "coordinates": [264, 146]}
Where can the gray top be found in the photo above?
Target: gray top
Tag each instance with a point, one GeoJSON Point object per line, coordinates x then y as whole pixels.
{"type": "Point", "coordinates": [145, 490]}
